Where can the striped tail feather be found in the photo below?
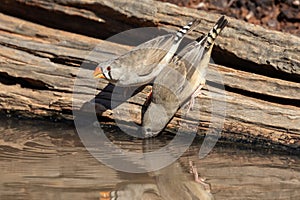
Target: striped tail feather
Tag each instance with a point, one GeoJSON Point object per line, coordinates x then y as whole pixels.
{"type": "Point", "coordinates": [213, 33]}
{"type": "Point", "coordinates": [187, 29]}
{"type": "Point", "coordinates": [179, 36]}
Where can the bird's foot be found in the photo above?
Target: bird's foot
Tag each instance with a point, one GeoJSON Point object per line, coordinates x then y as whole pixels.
{"type": "Point", "coordinates": [191, 102]}
{"type": "Point", "coordinates": [193, 170]}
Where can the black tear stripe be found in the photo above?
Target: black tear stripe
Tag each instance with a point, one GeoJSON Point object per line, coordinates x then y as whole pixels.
{"type": "Point", "coordinates": [109, 74]}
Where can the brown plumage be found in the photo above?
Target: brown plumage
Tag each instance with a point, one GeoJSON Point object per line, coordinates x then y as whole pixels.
{"type": "Point", "coordinates": [180, 81]}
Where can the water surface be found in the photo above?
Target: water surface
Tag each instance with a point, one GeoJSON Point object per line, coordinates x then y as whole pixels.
{"type": "Point", "coordinates": [46, 160]}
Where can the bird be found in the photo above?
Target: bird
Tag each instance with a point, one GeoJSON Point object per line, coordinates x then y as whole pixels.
{"type": "Point", "coordinates": [180, 82]}
{"type": "Point", "coordinates": [143, 63]}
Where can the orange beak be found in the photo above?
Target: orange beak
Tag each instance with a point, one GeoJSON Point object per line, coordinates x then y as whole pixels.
{"type": "Point", "coordinates": [98, 73]}
{"type": "Point", "coordinates": [105, 195]}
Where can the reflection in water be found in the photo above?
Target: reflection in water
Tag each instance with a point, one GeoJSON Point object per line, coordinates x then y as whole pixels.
{"type": "Point", "coordinates": [171, 182]}
{"type": "Point", "coordinates": [40, 160]}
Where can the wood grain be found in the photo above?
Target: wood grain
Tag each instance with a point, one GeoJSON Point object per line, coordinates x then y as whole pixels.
{"type": "Point", "coordinates": [40, 64]}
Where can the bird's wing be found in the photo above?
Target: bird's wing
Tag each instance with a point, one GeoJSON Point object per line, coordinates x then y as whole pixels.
{"type": "Point", "coordinates": [154, 53]}
{"type": "Point", "coordinates": [143, 59]}
{"type": "Point", "coordinates": [165, 86]}
{"type": "Point", "coordinates": [157, 42]}
{"type": "Point", "coordinates": [185, 63]}
{"type": "Point", "coordinates": [149, 58]}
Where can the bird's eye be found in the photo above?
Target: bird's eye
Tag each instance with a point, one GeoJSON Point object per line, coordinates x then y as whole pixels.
{"type": "Point", "coordinates": [108, 68]}
{"type": "Point", "coordinates": [148, 129]}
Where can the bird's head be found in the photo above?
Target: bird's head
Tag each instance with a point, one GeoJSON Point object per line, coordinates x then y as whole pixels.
{"type": "Point", "coordinates": [154, 120]}
{"type": "Point", "coordinates": [107, 71]}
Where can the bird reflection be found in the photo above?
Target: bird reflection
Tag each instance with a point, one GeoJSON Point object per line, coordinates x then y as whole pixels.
{"type": "Point", "coordinates": [169, 183]}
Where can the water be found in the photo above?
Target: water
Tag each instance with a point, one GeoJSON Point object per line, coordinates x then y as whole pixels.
{"type": "Point", "coordinates": [45, 160]}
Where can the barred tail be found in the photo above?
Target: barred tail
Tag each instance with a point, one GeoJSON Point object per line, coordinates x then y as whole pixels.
{"type": "Point", "coordinates": [213, 33]}
{"type": "Point", "coordinates": [186, 29]}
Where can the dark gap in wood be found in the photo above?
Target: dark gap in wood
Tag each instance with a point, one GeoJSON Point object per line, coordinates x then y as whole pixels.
{"type": "Point", "coordinates": [264, 97]}
{"type": "Point", "coordinates": [69, 61]}
{"type": "Point", "coordinates": [58, 20]}
{"type": "Point", "coordinates": [228, 59]}
{"type": "Point", "coordinates": [67, 111]}
{"type": "Point", "coordinates": [6, 79]}
{"type": "Point", "coordinates": [115, 22]}
{"type": "Point", "coordinates": [36, 53]}
{"type": "Point", "coordinates": [65, 60]}
{"type": "Point", "coordinates": [18, 114]}
{"type": "Point", "coordinates": [102, 119]}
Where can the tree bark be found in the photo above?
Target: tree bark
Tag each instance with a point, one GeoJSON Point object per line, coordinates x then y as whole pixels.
{"type": "Point", "coordinates": [39, 65]}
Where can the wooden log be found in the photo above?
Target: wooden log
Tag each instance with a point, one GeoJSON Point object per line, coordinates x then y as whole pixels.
{"type": "Point", "coordinates": [39, 66]}
{"type": "Point", "coordinates": [247, 47]}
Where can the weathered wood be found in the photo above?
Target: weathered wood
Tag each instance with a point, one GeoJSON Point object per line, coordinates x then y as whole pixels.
{"type": "Point", "coordinates": [247, 47]}
{"type": "Point", "coordinates": [39, 66]}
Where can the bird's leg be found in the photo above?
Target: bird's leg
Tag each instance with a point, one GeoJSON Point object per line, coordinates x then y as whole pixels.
{"type": "Point", "coordinates": [193, 170]}
{"type": "Point", "coordinates": [194, 95]}
{"type": "Point", "coordinates": [191, 102]}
